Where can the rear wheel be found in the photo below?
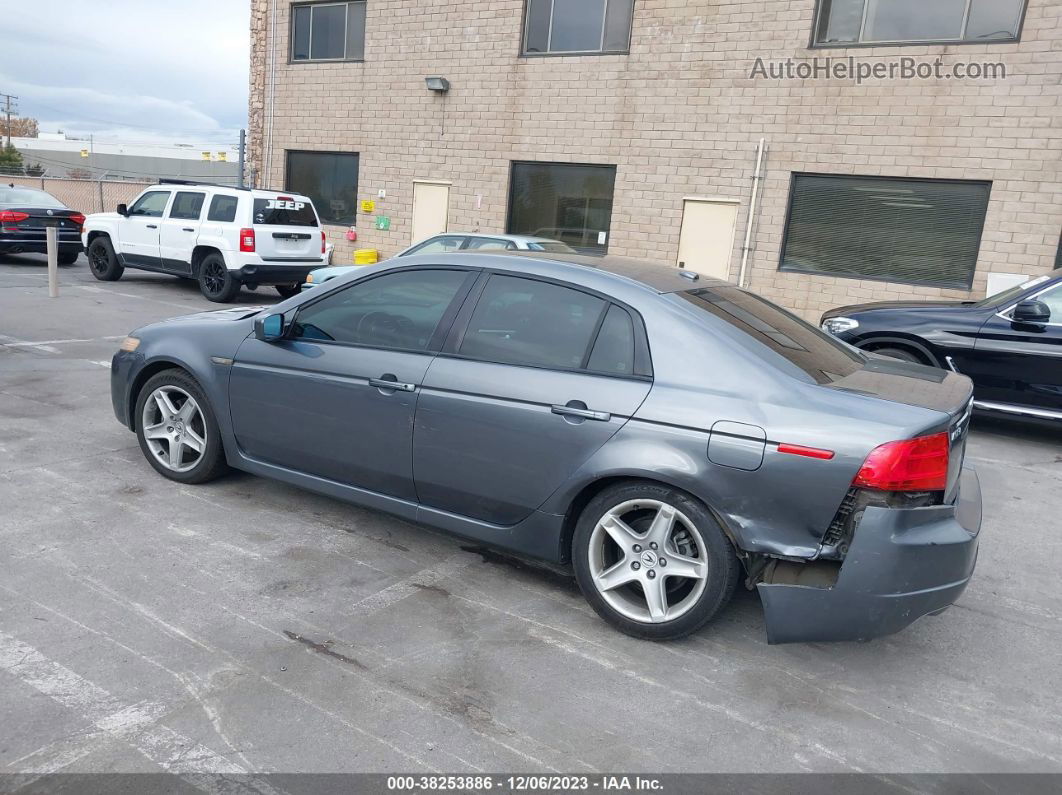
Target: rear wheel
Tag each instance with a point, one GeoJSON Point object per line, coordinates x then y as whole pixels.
{"type": "Point", "coordinates": [652, 561]}
{"type": "Point", "coordinates": [69, 258]}
{"type": "Point", "coordinates": [287, 290]}
{"type": "Point", "coordinates": [103, 262]}
{"type": "Point", "coordinates": [900, 353]}
{"type": "Point", "coordinates": [215, 280]}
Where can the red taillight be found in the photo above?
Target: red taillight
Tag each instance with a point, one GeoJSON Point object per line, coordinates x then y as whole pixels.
{"type": "Point", "coordinates": [910, 465]}
{"type": "Point", "coordinates": [246, 240]}
{"type": "Point", "coordinates": [13, 216]}
{"type": "Point", "coordinates": [324, 241]}
{"type": "Point", "coordinates": [78, 219]}
{"type": "Point", "coordinates": [807, 452]}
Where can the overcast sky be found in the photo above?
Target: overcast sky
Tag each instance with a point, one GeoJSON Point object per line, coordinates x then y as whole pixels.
{"type": "Point", "coordinates": [133, 69]}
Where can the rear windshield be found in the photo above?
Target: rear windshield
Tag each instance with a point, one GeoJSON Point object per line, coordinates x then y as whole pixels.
{"type": "Point", "coordinates": [27, 197]}
{"type": "Point", "coordinates": [284, 212]}
{"type": "Point", "coordinates": [815, 352]}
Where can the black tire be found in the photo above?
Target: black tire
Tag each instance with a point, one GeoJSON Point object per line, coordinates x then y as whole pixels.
{"type": "Point", "coordinates": [900, 353]}
{"type": "Point", "coordinates": [211, 463]}
{"type": "Point", "coordinates": [288, 290]}
{"type": "Point", "coordinates": [215, 280]}
{"type": "Point", "coordinates": [103, 262]}
{"type": "Point", "coordinates": [723, 569]}
{"type": "Point", "coordinates": [68, 258]}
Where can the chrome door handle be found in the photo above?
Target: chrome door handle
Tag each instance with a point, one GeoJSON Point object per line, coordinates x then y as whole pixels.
{"type": "Point", "coordinates": [394, 386]}
{"type": "Point", "coordinates": [585, 414]}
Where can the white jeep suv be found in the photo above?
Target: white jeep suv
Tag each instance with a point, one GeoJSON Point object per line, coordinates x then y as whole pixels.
{"type": "Point", "coordinates": [223, 237]}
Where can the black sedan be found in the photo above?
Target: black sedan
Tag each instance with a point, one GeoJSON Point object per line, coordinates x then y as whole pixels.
{"type": "Point", "coordinates": [25, 214]}
{"type": "Point", "coordinates": [1010, 343]}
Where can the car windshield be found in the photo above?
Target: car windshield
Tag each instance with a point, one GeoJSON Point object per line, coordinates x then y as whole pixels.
{"type": "Point", "coordinates": [551, 246]}
{"type": "Point", "coordinates": [284, 211]}
{"type": "Point", "coordinates": [27, 197]}
{"type": "Point", "coordinates": [818, 354]}
{"type": "Point", "coordinates": [1009, 295]}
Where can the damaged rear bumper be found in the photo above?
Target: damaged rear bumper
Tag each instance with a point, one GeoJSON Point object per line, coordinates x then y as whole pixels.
{"type": "Point", "coordinates": [902, 564]}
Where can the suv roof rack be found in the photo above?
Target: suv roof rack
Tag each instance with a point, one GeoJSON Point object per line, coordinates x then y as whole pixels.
{"type": "Point", "coordinates": [200, 184]}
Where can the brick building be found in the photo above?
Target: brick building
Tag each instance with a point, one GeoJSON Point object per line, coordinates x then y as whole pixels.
{"type": "Point", "coordinates": [635, 126]}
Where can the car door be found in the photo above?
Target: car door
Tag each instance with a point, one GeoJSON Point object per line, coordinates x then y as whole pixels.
{"type": "Point", "coordinates": [1021, 363]}
{"type": "Point", "coordinates": [336, 397]}
{"type": "Point", "coordinates": [179, 231]}
{"type": "Point", "coordinates": [139, 235]}
{"type": "Point", "coordinates": [535, 377]}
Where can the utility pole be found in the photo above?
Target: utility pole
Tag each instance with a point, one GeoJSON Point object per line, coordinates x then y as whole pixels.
{"type": "Point", "coordinates": [9, 110]}
{"type": "Point", "coordinates": [243, 148]}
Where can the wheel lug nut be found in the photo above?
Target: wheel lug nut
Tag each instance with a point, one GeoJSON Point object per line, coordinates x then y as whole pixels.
{"type": "Point", "coordinates": [170, 429]}
{"type": "Point", "coordinates": [663, 562]}
{"type": "Point", "coordinates": [652, 545]}
{"type": "Point", "coordinates": [651, 574]}
{"type": "Point", "coordinates": [636, 565]}
{"type": "Point", "coordinates": [637, 547]}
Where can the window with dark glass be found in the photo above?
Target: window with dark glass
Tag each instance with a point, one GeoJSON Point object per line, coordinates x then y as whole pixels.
{"type": "Point", "coordinates": [523, 321]}
{"type": "Point", "coordinates": [443, 244]}
{"type": "Point", "coordinates": [187, 206]}
{"type": "Point", "coordinates": [283, 212]}
{"type": "Point", "coordinates": [330, 179]}
{"type": "Point", "coordinates": [910, 231]}
{"type": "Point", "coordinates": [842, 22]}
{"type": "Point", "coordinates": [328, 31]}
{"type": "Point", "coordinates": [397, 310]}
{"type": "Point", "coordinates": [564, 202]}
{"type": "Point", "coordinates": [614, 348]}
{"type": "Point", "coordinates": [222, 208]}
{"type": "Point", "coordinates": [577, 26]}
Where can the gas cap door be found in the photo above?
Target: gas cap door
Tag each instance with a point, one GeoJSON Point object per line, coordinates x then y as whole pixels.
{"type": "Point", "coordinates": [737, 445]}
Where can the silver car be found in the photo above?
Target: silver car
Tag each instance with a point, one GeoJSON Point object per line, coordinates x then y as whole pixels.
{"type": "Point", "coordinates": [670, 436]}
{"type": "Point", "coordinates": [447, 244]}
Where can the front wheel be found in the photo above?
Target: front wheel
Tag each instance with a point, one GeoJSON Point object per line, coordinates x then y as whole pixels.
{"type": "Point", "coordinates": [288, 290]}
{"type": "Point", "coordinates": [215, 280]}
{"type": "Point", "coordinates": [103, 262]}
{"type": "Point", "coordinates": [652, 561]}
{"type": "Point", "coordinates": [176, 428]}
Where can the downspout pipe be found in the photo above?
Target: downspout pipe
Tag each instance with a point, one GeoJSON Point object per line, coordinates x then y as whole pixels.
{"type": "Point", "coordinates": [747, 247]}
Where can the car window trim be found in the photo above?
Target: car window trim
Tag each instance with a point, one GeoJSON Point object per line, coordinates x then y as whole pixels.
{"type": "Point", "coordinates": [165, 207]}
{"type": "Point", "coordinates": [438, 337]}
{"type": "Point", "coordinates": [643, 369]}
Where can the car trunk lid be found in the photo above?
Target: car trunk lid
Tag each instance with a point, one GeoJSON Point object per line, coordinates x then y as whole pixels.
{"type": "Point", "coordinates": [286, 228]}
{"type": "Point", "coordinates": [68, 222]}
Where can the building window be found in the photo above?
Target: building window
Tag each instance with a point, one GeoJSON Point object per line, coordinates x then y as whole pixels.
{"type": "Point", "coordinates": [577, 26]}
{"type": "Point", "coordinates": [330, 179]}
{"type": "Point", "coordinates": [844, 22]}
{"type": "Point", "coordinates": [911, 231]}
{"type": "Point", "coordinates": [562, 201]}
{"type": "Point", "coordinates": [328, 32]}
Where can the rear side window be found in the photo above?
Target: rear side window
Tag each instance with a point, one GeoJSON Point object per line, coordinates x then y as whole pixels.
{"type": "Point", "coordinates": [150, 205]}
{"type": "Point", "coordinates": [614, 349]}
{"type": "Point", "coordinates": [522, 321]}
{"type": "Point", "coordinates": [283, 211]}
{"type": "Point", "coordinates": [815, 352]}
{"type": "Point", "coordinates": [187, 206]}
{"type": "Point", "coordinates": [223, 209]}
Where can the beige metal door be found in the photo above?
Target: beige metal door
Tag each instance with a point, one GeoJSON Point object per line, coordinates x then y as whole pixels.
{"type": "Point", "coordinates": [431, 204]}
{"type": "Point", "coordinates": [707, 237]}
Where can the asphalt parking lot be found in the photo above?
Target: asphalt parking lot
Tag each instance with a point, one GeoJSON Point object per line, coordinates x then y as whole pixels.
{"type": "Point", "coordinates": [246, 625]}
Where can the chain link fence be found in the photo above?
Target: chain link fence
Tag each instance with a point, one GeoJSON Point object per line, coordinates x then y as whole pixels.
{"type": "Point", "coordinates": [83, 195]}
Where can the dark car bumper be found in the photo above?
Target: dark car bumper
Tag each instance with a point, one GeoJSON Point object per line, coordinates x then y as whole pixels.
{"type": "Point", "coordinates": [13, 245]}
{"type": "Point", "coordinates": [294, 273]}
{"type": "Point", "coordinates": [123, 366]}
{"type": "Point", "coordinates": [902, 565]}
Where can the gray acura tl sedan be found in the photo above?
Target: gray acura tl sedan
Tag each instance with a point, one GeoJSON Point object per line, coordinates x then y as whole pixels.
{"type": "Point", "coordinates": [668, 435]}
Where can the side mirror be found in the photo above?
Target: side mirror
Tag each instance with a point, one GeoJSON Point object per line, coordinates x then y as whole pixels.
{"type": "Point", "coordinates": [269, 328]}
{"type": "Point", "coordinates": [122, 210]}
{"type": "Point", "coordinates": [1032, 312]}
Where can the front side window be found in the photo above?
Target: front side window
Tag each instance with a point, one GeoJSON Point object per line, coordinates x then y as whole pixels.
{"type": "Point", "coordinates": [150, 205]}
{"type": "Point", "coordinates": [187, 206]}
{"type": "Point", "coordinates": [443, 244]}
{"type": "Point", "coordinates": [328, 32]}
{"type": "Point", "coordinates": [842, 22]}
{"type": "Point", "coordinates": [565, 202]}
{"type": "Point", "coordinates": [523, 321]}
{"type": "Point", "coordinates": [330, 179]}
{"type": "Point", "coordinates": [396, 310]}
{"type": "Point", "coordinates": [895, 230]}
{"type": "Point", "coordinates": [577, 26]}
{"type": "Point", "coordinates": [1053, 299]}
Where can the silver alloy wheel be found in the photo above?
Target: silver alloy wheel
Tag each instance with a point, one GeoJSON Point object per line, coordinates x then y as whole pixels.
{"type": "Point", "coordinates": [650, 575]}
{"type": "Point", "coordinates": [174, 428]}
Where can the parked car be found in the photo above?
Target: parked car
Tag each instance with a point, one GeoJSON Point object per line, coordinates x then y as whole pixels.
{"type": "Point", "coordinates": [223, 237]}
{"type": "Point", "coordinates": [669, 435]}
{"type": "Point", "coordinates": [1008, 344]}
{"type": "Point", "coordinates": [24, 217]}
{"type": "Point", "coordinates": [450, 242]}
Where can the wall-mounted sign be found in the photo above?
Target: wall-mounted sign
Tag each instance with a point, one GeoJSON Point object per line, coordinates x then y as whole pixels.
{"type": "Point", "coordinates": [383, 222]}
{"type": "Point", "coordinates": [206, 155]}
{"type": "Point", "coordinates": [368, 206]}
{"type": "Point", "coordinates": [84, 153]}
{"type": "Point", "coordinates": [223, 157]}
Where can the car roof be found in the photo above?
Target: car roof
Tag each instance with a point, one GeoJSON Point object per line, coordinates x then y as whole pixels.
{"type": "Point", "coordinates": [492, 236]}
{"type": "Point", "coordinates": [585, 269]}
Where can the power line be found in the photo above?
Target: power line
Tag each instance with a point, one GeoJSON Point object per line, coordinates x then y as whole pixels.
{"type": "Point", "coordinates": [8, 110]}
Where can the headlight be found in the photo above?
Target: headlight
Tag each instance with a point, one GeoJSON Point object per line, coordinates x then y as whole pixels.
{"type": "Point", "coordinates": [129, 344]}
{"type": "Point", "coordinates": [837, 325]}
